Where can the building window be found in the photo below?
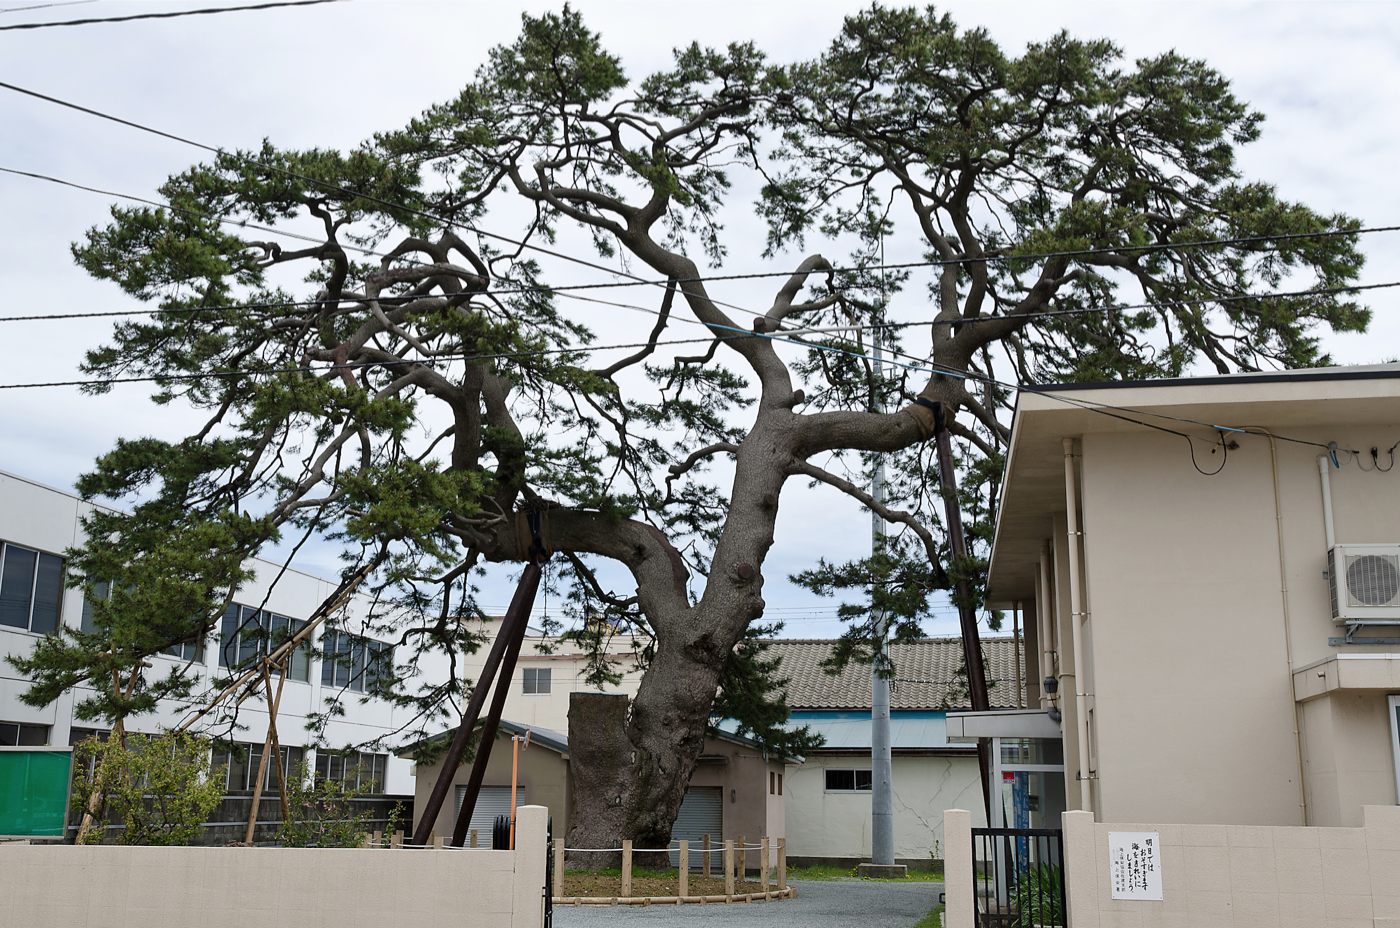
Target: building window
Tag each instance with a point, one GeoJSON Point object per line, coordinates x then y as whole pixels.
{"type": "Point", "coordinates": [537, 680]}
{"type": "Point", "coordinates": [848, 781]}
{"type": "Point", "coordinates": [191, 649]}
{"type": "Point", "coordinates": [772, 783]}
{"type": "Point", "coordinates": [247, 634]}
{"type": "Point", "coordinates": [237, 767]}
{"type": "Point", "coordinates": [23, 735]}
{"type": "Point", "coordinates": [31, 589]}
{"type": "Point", "coordinates": [354, 663]}
{"type": "Point", "coordinates": [780, 784]}
{"type": "Point", "coordinates": [1395, 740]}
{"type": "Point", "coordinates": [355, 769]}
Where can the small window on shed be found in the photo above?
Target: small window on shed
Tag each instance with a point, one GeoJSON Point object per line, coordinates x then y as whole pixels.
{"type": "Point", "coordinates": [847, 781]}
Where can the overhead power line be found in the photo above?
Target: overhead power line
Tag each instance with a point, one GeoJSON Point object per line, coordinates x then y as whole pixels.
{"type": "Point", "coordinates": [335, 188]}
{"type": "Point", "coordinates": [711, 278]}
{"type": "Point", "coordinates": [920, 366]}
{"type": "Point", "coordinates": [567, 289]}
{"type": "Point", "coordinates": [635, 280]}
{"type": "Point", "coordinates": [1146, 248]}
{"type": "Point", "coordinates": [43, 6]}
{"type": "Point", "coordinates": [172, 14]}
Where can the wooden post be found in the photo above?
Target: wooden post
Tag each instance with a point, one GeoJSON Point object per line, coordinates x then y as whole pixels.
{"type": "Point", "coordinates": [729, 871]}
{"type": "Point", "coordinates": [559, 868]}
{"type": "Point", "coordinates": [437, 842]}
{"type": "Point", "coordinates": [378, 837]}
{"type": "Point", "coordinates": [626, 867]}
{"type": "Point", "coordinates": [763, 863]}
{"type": "Point", "coordinates": [782, 863]}
{"type": "Point", "coordinates": [473, 837]}
{"type": "Point", "coordinates": [683, 888]}
{"type": "Point", "coordinates": [396, 840]}
{"type": "Point", "coordinates": [705, 864]}
{"type": "Point", "coordinates": [741, 862]}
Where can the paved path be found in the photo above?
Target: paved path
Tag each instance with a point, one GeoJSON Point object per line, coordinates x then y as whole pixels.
{"type": "Point", "coordinates": [836, 904]}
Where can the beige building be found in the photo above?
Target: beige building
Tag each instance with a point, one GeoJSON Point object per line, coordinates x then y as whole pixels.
{"type": "Point", "coordinates": [1209, 574]}
{"type": "Point", "coordinates": [736, 790]}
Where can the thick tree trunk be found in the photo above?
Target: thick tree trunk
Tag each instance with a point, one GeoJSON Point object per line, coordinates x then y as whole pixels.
{"type": "Point", "coordinates": [629, 779]}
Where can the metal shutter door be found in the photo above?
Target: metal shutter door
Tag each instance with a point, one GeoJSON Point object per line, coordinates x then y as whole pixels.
{"type": "Point", "coordinates": [702, 813]}
{"type": "Point", "coordinates": [493, 801]}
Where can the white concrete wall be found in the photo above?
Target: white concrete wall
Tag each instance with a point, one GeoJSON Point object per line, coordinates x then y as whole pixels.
{"type": "Point", "coordinates": [837, 824]}
{"type": "Point", "coordinates": [180, 887]}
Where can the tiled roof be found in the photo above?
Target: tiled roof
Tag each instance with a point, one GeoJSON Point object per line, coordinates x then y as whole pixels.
{"type": "Point", "coordinates": [925, 674]}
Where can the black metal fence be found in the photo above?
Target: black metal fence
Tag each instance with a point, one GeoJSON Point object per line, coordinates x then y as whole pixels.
{"type": "Point", "coordinates": [1019, 877]}
{"type": "Point", "coordinates": [549, 873]}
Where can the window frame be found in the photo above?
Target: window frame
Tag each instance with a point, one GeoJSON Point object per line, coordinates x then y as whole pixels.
{"type": "Point", "coordinates": [293, 755]}
{"type": "Point", "coordinates": [1394, 703]}
{"type": "Point", "coordinates": [365, 663]}
{"type": "Point", "coordinates": [39, 556]}
{"type": "Point", "coordinates": [855, 788]}
{"type": "Point", "coordinates": [19, 731]}
{"type": "Point", "coordinates": [191, 650]}
{"type": "Point", "coordinates": [533, 689]}
{"type": "Point", "coordinates": [261, 640]}
{"type": "Point", "coordinates": [360, 763]}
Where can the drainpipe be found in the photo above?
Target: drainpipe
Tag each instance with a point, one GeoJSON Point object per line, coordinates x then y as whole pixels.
{"type": "Point", "coordinates": [1076, 612]}
{"type": "Point", "coordinates": [1324, 465]}
{"type": "Point", "coordinates": [1016, 642]}
{"type": "Point", "coordinates": [1287, 610]}
{"type": "Point", "coordinates": [1045, 622]}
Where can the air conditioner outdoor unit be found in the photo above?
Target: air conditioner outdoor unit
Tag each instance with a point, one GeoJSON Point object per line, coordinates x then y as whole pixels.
{"type": "Point", "coordinates": [1364, 581]}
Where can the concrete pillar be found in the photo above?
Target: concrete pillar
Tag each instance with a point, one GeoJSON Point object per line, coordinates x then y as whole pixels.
{"type": "Point", "coordinates": [1080, 870]}
{"type": "Point", "coordinates": [1382, 825]}
{"type": "Point", "coordinates": [531, 853]}
{"type": "Point", "coordinates": [960, 910]}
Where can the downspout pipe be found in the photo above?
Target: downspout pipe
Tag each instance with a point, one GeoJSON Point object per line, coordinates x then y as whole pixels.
{"type": "Point", "coordinates": [1076, 614]}
{"type": "Point", "coordinates": [1045, 624]}
{"type": "Point", "coordinates": [1324, 469]}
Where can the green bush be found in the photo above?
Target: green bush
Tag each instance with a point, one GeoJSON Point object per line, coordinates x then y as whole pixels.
{"type": "Point", "coordinates": [322, 813]}
{"type": "Point", "coordinates": [155, 788]}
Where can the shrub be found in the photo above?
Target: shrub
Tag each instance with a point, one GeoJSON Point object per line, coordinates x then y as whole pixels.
{"type": "Point", "coordinates": [156, 788]}
{"type": "Point", "coordinates": [1037, 897]}
{"type": "Point", "coordinates": [322, 813]}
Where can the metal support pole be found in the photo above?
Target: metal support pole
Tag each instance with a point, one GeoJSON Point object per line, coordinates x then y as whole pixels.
{"type": "Point", "coordinates": [967, 614]}
{"type": "Point", "coordinates": [515, 621]}
{"type": "Point", "coordinates": [488, 737]}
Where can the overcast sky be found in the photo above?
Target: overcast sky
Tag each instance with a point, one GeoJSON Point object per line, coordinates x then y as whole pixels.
{"type": "Point", "coordinates": [1326, 75]}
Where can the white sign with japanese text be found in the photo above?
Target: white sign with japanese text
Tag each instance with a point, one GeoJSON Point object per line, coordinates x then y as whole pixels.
{"type": "Point", "coordinates": [1135, 864]}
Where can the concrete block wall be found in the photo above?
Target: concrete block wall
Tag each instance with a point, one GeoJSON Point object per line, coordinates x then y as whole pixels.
{"type": "Point", "coordinates": [177, 887]}
{"type": "Point", "coordinates": [1219, 876]}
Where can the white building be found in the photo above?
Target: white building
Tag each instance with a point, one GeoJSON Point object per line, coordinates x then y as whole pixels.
{"type": "Point", "coordinates": [829, 795]}
{"type": "Point", "coordinates": [38, 523]}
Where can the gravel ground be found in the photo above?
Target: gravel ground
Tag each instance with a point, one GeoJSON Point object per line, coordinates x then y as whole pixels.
{"type": "Point", "coordinates": [835, 904]}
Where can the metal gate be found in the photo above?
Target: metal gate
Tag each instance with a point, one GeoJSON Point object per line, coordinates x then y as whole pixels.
{"type": "Point", "coordinates": [1018, 877]}
{"type": "Point", "coordinates": [701, 813]}
{"type": "Point", "coordinates": [549, 873]}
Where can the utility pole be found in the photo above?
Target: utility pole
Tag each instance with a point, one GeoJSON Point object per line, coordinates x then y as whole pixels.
{"type": "Point", "coordinates": [881, 775]}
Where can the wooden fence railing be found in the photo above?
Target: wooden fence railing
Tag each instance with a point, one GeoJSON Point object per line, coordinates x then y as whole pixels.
{"type": "Point", "coordinates": [772, 872]}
